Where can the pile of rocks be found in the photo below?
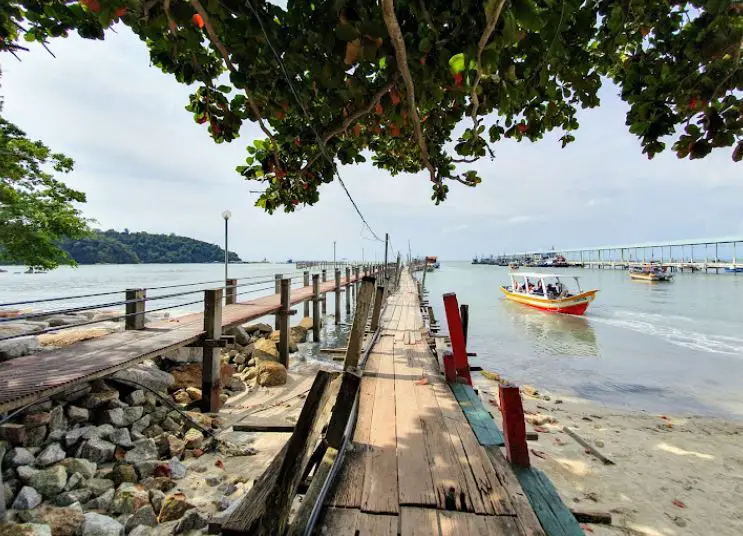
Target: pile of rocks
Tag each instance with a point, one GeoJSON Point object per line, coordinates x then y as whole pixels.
{"type": "Point", "coordinates": [102, 460]}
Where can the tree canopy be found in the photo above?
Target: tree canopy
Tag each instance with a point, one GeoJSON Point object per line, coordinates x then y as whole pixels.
{"type": "Point", "coordinates": [393, 79]}
{"type": "Point", "coordinates": [36, 210]}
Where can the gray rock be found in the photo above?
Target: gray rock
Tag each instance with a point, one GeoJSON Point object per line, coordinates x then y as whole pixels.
{"type": "Point", "coordinates": [64, 320]}
{"type": "Point", "coordinates": [144, 449]}
{"type": "Point", "coordinates": [74, 482]}
{"type": "Point", "coordinates": [102, 503]}
{"type": "Point", "coordinates": [142, 530]}
{"type": "Point", "coordinates": [49, 482]}
{"type": "Point", "coordinates": [241, 336]}
{"type": "Point", "coordinates": [100, 398]}
{"type": "Point", "coordinates": [73, 395]}
{"type": "Point", "coordinates": [123, 472]}
{"type": "Point", "coordinates": [191, 520]}
{"type": "Point", "coordinates": [96, 450]}
{"type": "Point", "coordinates": [71, 497]}
{"type": "Point", "coordinates": [35, 436]}
{"type": "Point", "coordinates": [129, 498]}
{"type": "Point", "coordinates": [55, 436]}
{"type": "Point", "coordinates": [141, 424]}
{"type": "Point", "coordinates": [77, 415]}
{"type": "Point", "coordinates": [258, 329]}
{"type": "Point", "coordinates": [58, 421]}
{"type": "Point", "coordinates": [157, 416]}
{"type": "Point", "coordinates": [72, 437]}
{"type": "Point", "coordinates": [105, 431]}
{"type": "Point", "coordinates": [184, 355]}
{"type": "Point", "coordinates": [80, 465]}
{"type": "Point", "coordinates": [156, 499]}
{"type": "Point", "coordinates": [51, 455]}
{"type": "Point", "coordinates": [147, 374]}
{"type": "Point", "coordinates": [99, 486]}
{"type": "Point", "coordinates": [26, 472]}
{"type": "Point", "coordinates": [18, 347]}
{"type": "Point", "coordinates": [146, 468]}
{"type": "Point", "coordinates": [27, 499]}
{"type": "Point", "coordinates": [145, 516]}
{"type": "Point", "coordinates": [115, 417]}
{"type": "Point", "coordinates": [19, 456]}
{"type": "Point", "coordinates": [136, 436]}
{"type": "Point", "coordinates": [214, 480]}
{"type": "Point", "coordinates": [133, 414]}
{"type": "Point", "coordinates": [121, 438]}
{"type": "Point", "coordinates": [30, 529]}
{"type": "Point", "coordinates": [171, 425]}
{"type": "Point", "coordinates": [223, 504]}
{"type": "Point", "coordinates": [100, 525]}
{"type": "Point", "coordinates": [177, 469]}
{"type": "Point", "coordinates": [136, 398]}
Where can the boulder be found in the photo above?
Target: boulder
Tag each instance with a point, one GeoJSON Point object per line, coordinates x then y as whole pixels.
{"type": "Point", "coordinates": [184, 355]}
{"type": "Point", "coordinates": [123, 472]}
{"type": "Point", "coordinates": [18, 347]}
{"type": "Point", "coordinates": [145, 516]}
{"type": "Point", "coordinates": [99, 486]}
{"type": "Point", "coordinates": [194, 438]}
{"type": "Point", "coordinates": [33, 420]}
{"type": "Point", "coordinates": [57, 419]}
{"type": "Point", "coordinates": [242, 337]}
{"type": "Point", "coordinates": [68, 498]}
{"type": "Point", "coordinates": [13, 433]}
{"type": "Point", "coordinates": [203, 420]}
{"type": "Point", "coordinates": [64, 320]}
{"type": "Point", "coordinates": [149, 375]}
{"type": "Point", "coordinates": [115, 417]}
{"type": "Point", "coordinates": [66, 521]}
{"type": "Point", "coordinates": [19, 456]}
{"type": "Point", "coordinates": [298, 334]}
{"type": "Point", "coordinates": [50, 455]}
{"type": "Point", "coordinates": [171, 425]}
{"type": "Point", "coordinates": [35, 437]}
{"type": "Point", "coordinates": [129, 498]}
{"type": "Point", "coordinates": [306, 323]}
{"type": "Point", "coordinates": [80, 465]}
{"type": "Point", "coordinates": [176, 446]}
{"type": "Point", "coordinates": [177, 469]}
{"type": "Point", "coordinates": [121, 438]}
{"type": "Point", "coordinates": [194, 393]}
{"type": "Point", "coordinates": [133, 414]}
{"type": "Point", "coordinates": [270, 374]}
{"type": "Point", "coordinates": [265, 350]}
{"type": "Point", "coordinates": [191, 520]}
{"type": "Point", "coordinates": [72, 437]}
{"type": "Point", "coordinates": [27, 499]}
{"type": "Point", "coordinates": [257, 329]}
{"type": "Point", "coordinates": [136, 398]}
{"type": "Point", "coordinates": [102, 503]}
{"type": "Point", "coordinates": [142, 530]}
{"type": "Point", "coordinates": [190, 375]}
{"type": "Point", "coordinates": [24, 529]}
{"type": "Point", "coordinates": [76, 414]}
{"type": "Point", "coordinates": [146, 468]}
{"type": "Point", "coordinates": [49, 482]}
{"type": "Point", "coordinates": [182, 397]}
{"type": "Point", "coordinates": [105, 431]}
{"type": "Point", "coordinates": [100, 525]}
{"type": "Point", "coordinates": [235, 383]}
{"type": "Point", "coordinates": [173, 507]}
{"type": "Point", "coordinates": [144, 449]}
{"type": "Point", "coordinates": [140, 425]}
{"type": "Point", "coordinates": [74, 482]}
{"type": "Point", "coordinates": [156, 499]}
{"type": "Point", "coordinates": [96, 450]}
{"type": "Point", "coordinates": [25, 473]}
{"type": "Point", "coordinates": [100, 398]}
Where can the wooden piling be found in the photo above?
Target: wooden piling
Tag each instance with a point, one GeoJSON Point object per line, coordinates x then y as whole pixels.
{"type": "Point", "coordinates": [356, 283]}
{"type": "Point", "coordinates": [359, 324]}
{"type": "Point", "coordinates": [316, 307]}
{"type": "Point", "coordinates": [378, 299]}
{"type": "Point", "coordinates": [337, 296]}
{"type": "Point", "coordinates": [464, 312]}
{"type": "Point", "coordinates": [231, 292]}
{"type": "Point", "coordinates": [211, 385]}
{"type": "Point", "coordinates": [135, 309]}
{"type": "Point", "coordinates": [514, 427]}
{"type": "Point", "coordinates": [324, 303]}
{"type": "Point", "coordinates": [306, 282]}
{"type": "Point", "coordinates": [284, 322]}
{"type": "Point", "coordinates": [277, 290]}
{"type": "Point", "coordinates": [348, 290]}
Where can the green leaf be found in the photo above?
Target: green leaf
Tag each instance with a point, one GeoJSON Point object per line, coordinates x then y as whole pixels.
{"type": "Point", "coordinates": [456, 63]}
{"type": "Point", "coordinates": [346, 32]}
{"type": "Point", "coordinates": [509, 29]}
{"type": "Point", "coordinates": [224, 89]}
{"type": "Point", "coordinates": [526, 15]}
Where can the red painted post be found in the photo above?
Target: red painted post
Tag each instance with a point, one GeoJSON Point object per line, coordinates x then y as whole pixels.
{"type": "Point", "coordinates": [514, 427]}
{"type": "Point", "coordinates": [456, 335]}
{"type": "Point", "coordinates": [449, 371]}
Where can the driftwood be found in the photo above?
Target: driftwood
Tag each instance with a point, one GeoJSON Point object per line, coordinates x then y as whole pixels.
{"type": "Point", "coordinates": [587, 446]}
{"type": "Point", "coordinates": [582, 516]}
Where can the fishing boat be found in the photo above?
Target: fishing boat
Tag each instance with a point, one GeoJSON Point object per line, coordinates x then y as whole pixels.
{"type": "Point", "coordinates": [548, 292]}
{"type": "Point", "coordinates": [728, 269]}
{"type": "Point", "coordinates": [513, 266]}
{"type": "Point", "coordinates": [432, 263]}
{"type": "Point", "coordinates": [650, 272]}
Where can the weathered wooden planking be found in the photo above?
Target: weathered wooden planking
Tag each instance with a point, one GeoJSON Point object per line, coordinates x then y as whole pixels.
{"type": "Point", "coordinates": [526, 518]}
{"type": "Point", "coordinates": [376, 525]}
{"type": "Point", "coordinates": [482, 423]}
{"type": "Point", "coordinates": [340, 521]}
{"type": "Point", "coordinates": [554, 516]}
{"type": "Point", "coordinates": [352, 522]}
{"type": "Point", "coordinates": [416, 484]}
{"type": "Point", "coordinates": [492, 491]}
{"type": "Point", "coordinates": [418, 522]}
{"type": "Point", "coordinates": [264, 424]}
{"type": "Point", "coordinates": [465, 524]}
{"type": "Point", "coordinates": [380, 494]}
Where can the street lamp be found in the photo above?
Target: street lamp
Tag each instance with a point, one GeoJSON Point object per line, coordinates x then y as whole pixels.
{"type": "Point", "coordinates": [333, 253]}
{"type": "Point", "coordinates": [226, 215]}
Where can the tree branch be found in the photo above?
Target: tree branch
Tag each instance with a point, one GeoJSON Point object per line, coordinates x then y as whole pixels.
{"type": "Point", "coordinates": [463, 181]}
{"type": "Point", "coordinates": [484, 38]}
{"type": "Point", "coordinates": [171, 23]}
{"type": "Point", "coordinates": [464, 160]}
{"type": "Point", "coordinates": [393, 29]}
{"type": "Point", "coordinates": [214, 38]}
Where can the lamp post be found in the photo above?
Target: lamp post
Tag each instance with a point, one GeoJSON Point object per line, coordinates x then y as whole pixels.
{"type": "Point", "coordinates": [226, 215]}
{"type": "Point", "coordinates": [333, 254]}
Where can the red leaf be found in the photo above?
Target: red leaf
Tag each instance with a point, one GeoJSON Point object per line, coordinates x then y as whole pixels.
{"type": "Point", "coordinates": [197, 20]}
{"type": "Point", "coordinates": [219, 464]}
{"type": "Point", "coordinates": [678, 503]}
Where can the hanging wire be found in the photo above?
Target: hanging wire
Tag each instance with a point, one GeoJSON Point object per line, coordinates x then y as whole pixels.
{"type": "Point", "coordinates": [320, 141]}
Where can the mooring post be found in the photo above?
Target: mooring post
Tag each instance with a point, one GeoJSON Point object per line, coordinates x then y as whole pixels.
{"type": "Point", "coordinates": [514, 427]}
{"type": "Point", "coordinates": [456, 334]}
{"type": "Point", "coordinates": [316, 307]}
{"type": "Point", "coordinates": [348, 290]}
{"type": "Point", "coordinates": [231, 292]}
{"type": "Point", "coordinates": [423, 279]}
{"type": "Point", "coordinates": [306, 282]}
{"type": "Point", "coordinates": [432, 324]}
{"type": "Point", "coordinates": [464, 312]}
{"type": "Point", "coordinates": [277, 290]}
{"type": "Point", "coordinates": [337, 296]}
{"type": "Point", "coordinates": [378, 298]}
{"type": "Point", "coordinates": [353, 350]}
{"type": "Point", "coordinates": [284, 322]}
{"type": "Point", "coordinates": [135, 309]}
{"type": "Point", "coordinates": [211, 385]}
{"type": "Point", "coordinates": [356, 283]}
{"type": "Point", "coordinates": [324, 304]}
{"type": "Point", "coordinates": [398, 272]}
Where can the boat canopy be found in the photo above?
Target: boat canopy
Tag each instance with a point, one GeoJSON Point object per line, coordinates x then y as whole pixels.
{"type": "Point", "coordinates": [539, 274]}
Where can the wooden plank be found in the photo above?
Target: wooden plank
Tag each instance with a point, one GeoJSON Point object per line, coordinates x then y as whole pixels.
{"type": "Point", "coordinates": [380, 494]}
{"type": "Point", "coordinates": [359, 323]}
{"type": "Point", "coordinates": [342, 409]}
{"type": "Point", "coordinates": [257, 424]}
{"type": "Point", "coordinates": [376, 525]}
{"type": "Point", "coordinates": [525, 516]}
{"type": "Point", "coordinates": [211, 384]}
{"type": "Point", "coordinates": [465, 524]}
{"type": "Point", "coordinates": [554, 516]}
{"type": "Point", "coordinates": [301, 518]}
{"type": "Point", "coordinates": [415, 481]}
{"type": "Point", "coordinates": [418, 522]}
{"type": "Point", "coordinates": [340, 521]}
{"type": "Point", "coordinates": [482, 423]}
{"type": "Point", "coordinates": [265, 508]}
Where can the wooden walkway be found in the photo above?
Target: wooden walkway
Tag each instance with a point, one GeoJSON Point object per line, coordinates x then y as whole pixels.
{"type": "Point", "coordinates": [416, 466]}
{"type": "Point", "coordinates": [26, 379]}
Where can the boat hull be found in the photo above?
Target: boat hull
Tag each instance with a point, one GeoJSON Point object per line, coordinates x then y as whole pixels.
{"type": "Point", "coordinates": [573, 305]}
{"type": "Point", "coordinates": [650, 277]}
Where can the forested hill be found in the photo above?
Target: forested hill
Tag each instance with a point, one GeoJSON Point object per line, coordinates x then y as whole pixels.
{"type": "Point", "coordinates": [112, 247]}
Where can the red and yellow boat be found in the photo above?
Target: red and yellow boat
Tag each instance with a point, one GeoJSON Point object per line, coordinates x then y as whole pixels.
{"type": "Point", "coordinates": [548, 293]}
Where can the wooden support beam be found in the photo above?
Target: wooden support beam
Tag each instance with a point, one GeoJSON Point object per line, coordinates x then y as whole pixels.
{"type": "Point", "coordinates": [324, 304]}
{"type": "Point", "coordinates": [302, 517]}
{"type": "Point", "coordinates": [285, 290]}
{"type": "Point", "coordinates": [316, 308]}
{"type": "Point", "coordinates": [464, 312]}
{"type": "Point", "coordinates": [264, 510]}
{"type": "Point", "coordinates": [359, 323]}
{"type": "Point", "coordinates": [356, 283]}
{"type": "Point", "coordinates": [342, 409]}
{"type": "Point", "coordinates": [135, 310]}
{"type": "Point", "coordinates": [231, 292]}
{"type": "Point", "coordinates": [277, 290]}
{"type": "Point", "coordinates": [514, 427]}
{"type": "Point", "coordinates": [348, 290]}
{"type": "Point", "coordinates": [254, 424]}
{"type": "Point", "coordinates": [337, 296]}
{"type": "Point", "coordinates": [211, 385]}
{"type": "Point", "coordinates": [306, 281]}
{"type": "Point", "coordinates": [378, 299]}
{"type": "Point", "coordinates": [456, 334]}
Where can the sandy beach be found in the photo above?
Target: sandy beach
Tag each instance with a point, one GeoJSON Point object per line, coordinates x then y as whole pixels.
{"type": "Point", "coordinates": [672, 475]}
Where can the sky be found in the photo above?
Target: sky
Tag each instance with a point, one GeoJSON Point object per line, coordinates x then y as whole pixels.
{"type": "Point", "coordinates": [146, 166]}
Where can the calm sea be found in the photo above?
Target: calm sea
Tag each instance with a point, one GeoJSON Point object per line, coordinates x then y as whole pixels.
{"type": "Point", "coordinates": [675, 348]}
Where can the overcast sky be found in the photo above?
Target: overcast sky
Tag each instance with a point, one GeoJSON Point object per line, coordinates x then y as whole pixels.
{"type": "Point", "coordinates": [145, 165]}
